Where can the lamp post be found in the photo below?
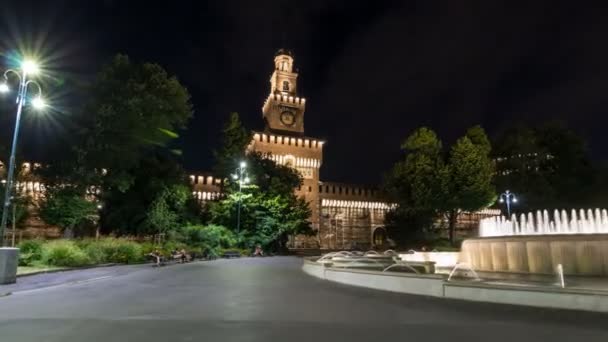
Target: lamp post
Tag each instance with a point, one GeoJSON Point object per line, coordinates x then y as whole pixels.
{"type": "Point", "coordinates": [240, 175]}
{"type": "Point", "coordinates": [28, 68]}
{"type": "Point", "coordinates": [508, 197]}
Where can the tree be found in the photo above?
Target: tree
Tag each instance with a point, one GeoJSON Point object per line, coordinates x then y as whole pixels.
{"type": "Point", "coordinates": [133, 108]}
{"type": "Point", "coordinates": [426, 185]}
{"type": "Point", "coordinates": [467, 181]}
{"type": "Point", "coordinates": [158, 201]}
{"type": "Point", "coordinates": [547, 167]}
{"type": "Point", "coordinates": [123, 145]}
{"type": "Point", "coordinates": [414, 185]}
{"type": "Point", "coordinates": [67, 208]}
{"type": "Point", "coordinates": [235, 139]}
{"type": "Point", "coordinates": [163, 214]}
{"type": "Point", "coordinates": [270, 211]}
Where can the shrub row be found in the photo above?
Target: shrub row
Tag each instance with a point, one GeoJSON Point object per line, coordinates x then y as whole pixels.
{"type": "Point", "coordinates": [73, 253]}
{"type": "Point", "coordinates": [211, 241]}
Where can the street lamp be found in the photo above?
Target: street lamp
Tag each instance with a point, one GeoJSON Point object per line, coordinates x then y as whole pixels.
{"type": "Point", "coordinates": [28, 68]}
{"type": "Point", "coordinates": [240, 175]}
{"type": "Point", "coordinates": [508, 197]}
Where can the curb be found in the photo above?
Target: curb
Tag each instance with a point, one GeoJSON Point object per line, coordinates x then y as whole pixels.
{"type": "Point", "coordinates": [67, 269]}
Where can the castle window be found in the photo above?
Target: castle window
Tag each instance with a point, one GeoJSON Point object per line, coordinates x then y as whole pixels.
{"type": "Point", "coordinates": [283, 66]}
{"type": "Point", "coordinates": [285, 86]}
{"type": "Point", "coordinates": [346, 191]}
{"type": "Point", "coordinates": [327, 188]}
{"type": "Point", "coordinates": [320, 188]}
{"type": "Point", "coordinates": [310, 189]}
{"type": "Point", "coordinates": [340, 190]}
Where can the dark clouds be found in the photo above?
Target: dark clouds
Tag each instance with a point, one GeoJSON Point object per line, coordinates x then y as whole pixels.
{"type": "Point", "coordinates": [371, 71]}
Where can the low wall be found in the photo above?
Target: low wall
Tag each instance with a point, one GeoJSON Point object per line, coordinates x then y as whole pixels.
{"type": "Point", "coordinates": [436, 286]}
{"type": "Point", "coordinates": [555, 298]}
{"type": "Point", "coordinates": [420, 284]}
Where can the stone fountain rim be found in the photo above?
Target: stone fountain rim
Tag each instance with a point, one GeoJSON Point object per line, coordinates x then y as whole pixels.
{"type": "Point", "coordinates": [590, 236]}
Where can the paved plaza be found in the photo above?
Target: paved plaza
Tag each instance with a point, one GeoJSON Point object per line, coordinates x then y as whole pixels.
{"type": "Point", "coordinates": [264, 299]}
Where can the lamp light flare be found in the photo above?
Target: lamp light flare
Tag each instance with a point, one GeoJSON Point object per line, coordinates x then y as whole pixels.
{"type": "Point", "coordinates": [246, 180]}
{"type": "Point", "coordinates": [38, 102]}
{"type": "Point", "coordinates": [235, 177]}
{"type": "Point", "coordinates": [243, 164]}
{"type": "Point", "coordinates": [30, 67]}
{"type": "Point", "coordinates": [4, 88]}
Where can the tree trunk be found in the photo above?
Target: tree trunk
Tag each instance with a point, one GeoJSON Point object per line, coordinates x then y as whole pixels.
{"type": "Point", "coordinates": [452, 219]}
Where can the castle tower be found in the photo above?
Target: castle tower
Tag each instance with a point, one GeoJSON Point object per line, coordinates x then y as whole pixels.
{"type": "Point", "coordinates": [283, 137]}
{"type": "Point", "coordinates": [283, 110]}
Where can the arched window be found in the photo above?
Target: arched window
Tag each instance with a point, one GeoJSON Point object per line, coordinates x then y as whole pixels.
{"type": "Point", "coordinates": [285, 86]}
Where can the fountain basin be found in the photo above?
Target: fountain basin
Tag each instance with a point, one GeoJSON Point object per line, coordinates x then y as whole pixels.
{"type": "Point", "coordinates": [579, 254]}
{"type": "Point", "coordinates": [441, 259]}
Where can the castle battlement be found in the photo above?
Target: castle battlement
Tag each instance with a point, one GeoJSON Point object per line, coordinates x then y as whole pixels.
{"type": "Point", "coordinates": [276, 139]}
{"type": "Point", "coordinates": [288, 100]}
{"type": "Point", "coordinates": [350, 191]}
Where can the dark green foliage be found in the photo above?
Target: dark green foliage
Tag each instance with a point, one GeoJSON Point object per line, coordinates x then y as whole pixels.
{"type": "Point", "coordinates": [63, 253]}
{"type": "Point", "coordinates": [427, 183]}
{"type": "Point", "coordinates": [30, 252]}
{"type": "Point", "coordinates": [547, 167]}
{"type": "Point", "coordinates": [270, 211]}
{"type": "Point", "coordinates": [132, 108]}
{"type": "Point", "coordinates": [235, 139]}
{"type": "Point", "coordinates": [159, 200]}
{"type": "Point", "coordinates": [208, 239]}
{"type": "Point", "coordinates": [414, 184]}
{"type": "Point", "coordinates": [67, 208]}
{"type": "Point", "coordinates": [73, 253]}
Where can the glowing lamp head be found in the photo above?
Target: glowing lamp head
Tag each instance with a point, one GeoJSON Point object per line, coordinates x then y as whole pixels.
{"type": "Point", "coordinates": [30, 67]}
{"type": "Point", "coordinates": [243, 164]}
{"type": "Point", "coordinates": [501, 200]}
{"type": "Point", "coordinates": [38, 102]}
{"type": "Point", "coordinates": [235, 177]}
{"type": "Point", "coordinates": [514, 199]}
{"type": "Point", "coordinates": [4, 88]}
{"type": "Point", "coordinates": [246, 180]}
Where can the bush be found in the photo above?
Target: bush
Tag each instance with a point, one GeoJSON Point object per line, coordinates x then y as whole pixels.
{"type": "Point", "coordinates": [30, 252]}
{"type": "Point", "coordinates": [63, 253]}
{"type": "Point", "coordinates": [111, 250]}
{"type": "Point", "coordinates": [96, 253]}
{"type": "Point", "coordinates": [209, 239]}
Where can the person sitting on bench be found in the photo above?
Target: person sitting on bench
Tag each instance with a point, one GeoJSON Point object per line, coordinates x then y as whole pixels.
{"type": "Point", "coordinates": [258, 251]}
{"type": "Point", "coordinates": [156, 255]}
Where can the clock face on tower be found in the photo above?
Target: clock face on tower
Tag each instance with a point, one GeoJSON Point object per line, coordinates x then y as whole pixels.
{"type": "Point", "coordinates": [288, 118]}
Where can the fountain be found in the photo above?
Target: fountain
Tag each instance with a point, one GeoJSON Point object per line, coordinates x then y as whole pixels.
{"type": "Point", "coordinates": [538, 242]}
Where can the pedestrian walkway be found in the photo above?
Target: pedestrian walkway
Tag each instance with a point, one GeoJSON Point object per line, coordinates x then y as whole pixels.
{"type": "Point", "coordinates": [44, 280]}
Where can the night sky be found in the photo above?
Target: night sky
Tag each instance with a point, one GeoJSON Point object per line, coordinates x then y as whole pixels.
{"type": "Point", "coordinates": [371, 72]}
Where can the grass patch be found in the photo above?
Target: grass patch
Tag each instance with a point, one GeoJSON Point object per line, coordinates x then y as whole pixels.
{"type": "Point", "coordinates": [23, 270]}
